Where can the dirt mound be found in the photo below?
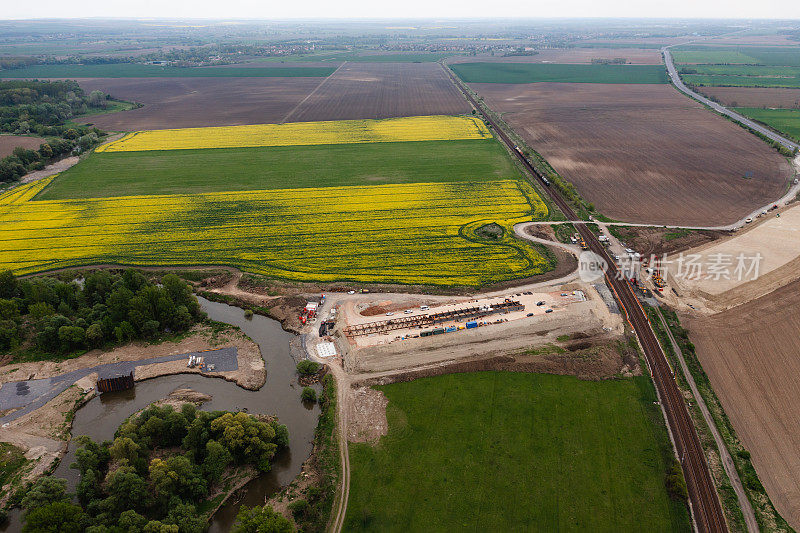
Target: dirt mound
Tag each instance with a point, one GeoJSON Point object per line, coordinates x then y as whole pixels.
{"type": "Point", "coordinates": [665, 241]}
{"type": "Point", "coordinates": [366, 415]}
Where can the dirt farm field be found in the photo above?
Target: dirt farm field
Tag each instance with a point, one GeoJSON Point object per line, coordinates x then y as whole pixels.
{"type": "Point", "coordinates": [9, 142]}
{"type": "Point", "coordinates": [750, 355]}
{"type": "Point", "coordinates": [643, 153]}
{"type": "Point", "coordinates": [192, 102]}
{"type": "Point", "coordinates": [754, 96]}
{"type": "Point", "coordinates": [634, 56]}
{"type": "Point", "coordinates": [382, 90]}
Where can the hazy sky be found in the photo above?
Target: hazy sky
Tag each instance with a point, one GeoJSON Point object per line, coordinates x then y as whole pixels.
{"type": "Point", "coordinates": [271, 9]}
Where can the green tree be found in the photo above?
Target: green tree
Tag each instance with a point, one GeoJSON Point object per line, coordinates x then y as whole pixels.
{"type": "Point", "coordinates": [246, 438]}
{"type": "Point", "coordinates": [46, 151]}
{"type": "Point", "coordinates": [260, 520]}
{"type": "Point", "coordinates": [8, 284]}
{"type": "Point", "coordinates": [126, 489]}
{"type": "Point", "coordinates": [45, 491]}
{"type": "Point", "coordinates": [217, 458]}
{"type": "Point", "coordinates": [185, 517]}
{"type": "Point", "coordinates": [155, 526]}
{"type": "Point", "coordinates": [308, 395]}
{"type": "Point", "coordinates": [55, 517]}
{"type": "Point", "coordinates": [131, 521]}
{"type": "Point", "coordinates": [307, 368]}
{"type": "Point", "coordinates": [176, 476]}
{"type": "Point", "coordinates": [94, 335]}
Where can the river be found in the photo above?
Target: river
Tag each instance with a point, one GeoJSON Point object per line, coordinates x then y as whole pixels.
{"type": "Point", "coordinates": [280, 396]}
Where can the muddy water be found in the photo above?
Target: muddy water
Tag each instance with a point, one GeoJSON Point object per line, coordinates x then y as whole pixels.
{"type": "Point", "coordinates": [279, 396]}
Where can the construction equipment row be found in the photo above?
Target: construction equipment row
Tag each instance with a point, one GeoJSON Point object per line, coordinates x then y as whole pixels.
{"type": "Point", "coordinates": [432, 319]}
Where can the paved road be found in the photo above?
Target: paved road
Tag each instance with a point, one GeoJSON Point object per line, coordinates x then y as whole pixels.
{"type": "Point", "coordinates": [676, 80]}
{"type": "Point", "coordinates": [31, 394]}
{"type": "Point", "coordinates": [704, 502]}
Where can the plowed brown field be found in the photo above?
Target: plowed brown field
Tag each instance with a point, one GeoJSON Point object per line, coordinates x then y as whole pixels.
{"type": "Point", "coordinates": [751, 354]}
{"type": "Point", "coordinates": [635, 56]}
{"type": "Point", "coordinates": [643, 153]}
{"type": "Point", "coordinates": [754, 96]}
{"type": "Point", "coordinates": [195, 102]}
{"type": "Point", "coordinates": [9, 142]}
{"type": "Point", "coordinates": [382, 90]}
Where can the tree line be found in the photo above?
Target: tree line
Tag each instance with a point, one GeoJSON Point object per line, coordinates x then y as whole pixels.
{"type": "Point", "coordinates": [44, 316]}
{"type": "Point", "coordinates": [43, 108]}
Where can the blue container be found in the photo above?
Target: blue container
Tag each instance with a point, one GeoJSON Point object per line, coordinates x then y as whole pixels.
{"type": "Point", "coordinates": [473, 324]}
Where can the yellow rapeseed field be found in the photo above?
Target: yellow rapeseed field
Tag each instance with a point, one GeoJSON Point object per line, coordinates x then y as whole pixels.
{"type": "Point", "coordinates": [426, 128]}
{"type": "Point", "coordinates": [409, 233]}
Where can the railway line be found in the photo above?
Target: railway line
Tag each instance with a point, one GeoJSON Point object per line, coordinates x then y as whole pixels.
{"type": "Point", "coordinates": [704, 501]}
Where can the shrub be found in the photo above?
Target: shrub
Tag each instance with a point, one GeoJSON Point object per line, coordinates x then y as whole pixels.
{"type": "Point", "coordinates": [307, 368]}
{"type": "Point", "coordinates": [676, 485]}
{"type": "Point", "coordinates": [298, 508]}
{"type": "Point", "coordinates": [308, 395]}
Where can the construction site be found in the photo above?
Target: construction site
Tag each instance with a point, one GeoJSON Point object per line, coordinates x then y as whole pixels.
{"type": "Point", "coordinates": [425, 321]}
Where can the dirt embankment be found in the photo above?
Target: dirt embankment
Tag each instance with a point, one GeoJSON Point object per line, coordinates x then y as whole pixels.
{"type": "Point", "coordinates": [590, 358]}
{"type": "Point", "coordinates": [659, 241]}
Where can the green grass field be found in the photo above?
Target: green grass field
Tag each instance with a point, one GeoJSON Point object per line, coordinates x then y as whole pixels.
{"type": "Point", "coordinates": [538, 72]}
{"type": "Point", "coordinates": [137, 70]}
{"type": "Point", "coordinates": [713, 57]}
{"type": "Point", "coordinates": [741, 75]}
{"type": "Point", "coordinates": [498, 451]}
{"type": "Point", "coordinates": [786, 121]}
{"type": "Point", "coordinates": [754, 55]}
{"type": "Point", "coordinates": [740, 81]}
{"type": "Point", "coordinates": [228, 169]}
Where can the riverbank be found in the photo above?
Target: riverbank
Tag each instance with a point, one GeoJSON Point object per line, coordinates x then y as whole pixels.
{"type": "Point", "coordinates": [44, 433]}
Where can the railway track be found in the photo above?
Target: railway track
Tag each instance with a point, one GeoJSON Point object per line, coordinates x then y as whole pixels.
{"type": "Point", "coordinates": [704, 502]}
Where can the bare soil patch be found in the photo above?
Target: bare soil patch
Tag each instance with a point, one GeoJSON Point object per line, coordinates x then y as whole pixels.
{"type": "Point", "coordinates": [633, 56]}
{"type": "Point", "coordinates": [750, 355]}
{"type": "Point", "coordinates": [754, 96]}
{"type": "Point", "coordinates": [195, 102]}
{"type": "Point", "coordinates": [644, 153]}
{"type": "Point", "coordinates": [9, 142]}
{"type": "Point", "coordinates": [366, 415]}
{"type": "Point", "coordinates": [382, 90]}
{"type": "Point", "coordinates": [773, 238]}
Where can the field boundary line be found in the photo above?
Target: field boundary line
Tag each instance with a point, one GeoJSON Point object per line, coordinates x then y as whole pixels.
{"type": "Point", "coordinates": [725, 456]}
{"type": "Point", "coordinates": [309, 95]}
